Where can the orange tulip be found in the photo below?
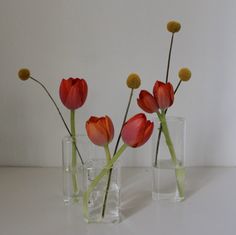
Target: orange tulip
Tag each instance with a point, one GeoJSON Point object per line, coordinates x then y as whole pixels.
{"type": "Point", "coordinates": [100, 130]}
{"type": "Point", "coordinates": [137, 130]}
{"type": "Point", "coordinates": [73, 92]}
{"type": "Point", "coordinates": [163, 94]}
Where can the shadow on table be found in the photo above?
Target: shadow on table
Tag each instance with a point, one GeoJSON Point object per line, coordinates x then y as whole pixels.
{"type": "Point", "coordinates": [198, 178]}
{"type": "Point", "coordinates": [135, 191]}
{"type": "Point", "coordinates": [136, 186]}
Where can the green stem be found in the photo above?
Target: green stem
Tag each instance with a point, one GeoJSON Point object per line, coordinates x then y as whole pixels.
{"type": "Point", "coordinates": [108, 154]}
{"type": "Point", "coordinates": [166, 133]}
{"type": "Point", "coordinates": [160, 129]}
{"type": "Point", "coordinates": [74, 159]}
{"type": "Point", "coordinates": [103, 172]}
{"type": "Point", "coordinates": [178, 172]}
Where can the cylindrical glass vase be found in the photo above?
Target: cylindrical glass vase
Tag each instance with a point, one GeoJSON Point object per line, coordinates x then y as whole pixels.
{"type": "Point", "coordinates": [168, 143]}
{"type": "Point", "coordinates": [73, 150]}
{"type": "Point", "coordinates": [102, 203]}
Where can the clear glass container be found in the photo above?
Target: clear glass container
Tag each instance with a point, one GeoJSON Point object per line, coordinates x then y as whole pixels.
{"type": "Point", "coordinates": [168, 171]}
{"type": "Point", "coordinates": [102, 207]}
{"type": "Point", "coordinates": [72, 166]}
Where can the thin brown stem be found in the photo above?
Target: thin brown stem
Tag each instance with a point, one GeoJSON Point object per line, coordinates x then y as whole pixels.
{"type": "Point", "coordinates": [169, 57]}
{"type": "Point", "coordinates": [177, 87]}
{"type": "Point", "coordinates": [62, 118]}
{"type": "Point", "coordinates": [116, 147]}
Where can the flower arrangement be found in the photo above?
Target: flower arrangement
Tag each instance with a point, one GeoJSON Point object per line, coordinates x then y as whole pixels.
{"type": "Point", "coordinates": [159, 101]}
{"type": "Point", "coordinates": [134, 132]}
{"type": "Point", "coordinates": [100, 130]}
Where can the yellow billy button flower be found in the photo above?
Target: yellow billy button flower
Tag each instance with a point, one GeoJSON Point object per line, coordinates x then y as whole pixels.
{"type": "Point", "coordinates": [133, 81]}
{"type": "Point", "coordinates": [184, 74]}
{"type": "Point", "coordinates": [24, 74]}
{"type": "Point", "coordinates": [173, 26]}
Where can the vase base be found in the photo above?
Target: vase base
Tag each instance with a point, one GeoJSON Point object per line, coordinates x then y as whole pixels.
{"type": "Point", "coordinates": [167, 196]}
{"type": "Point", "coordinates": [110, 220]}
{"type": "Point", "coordinates": [71, 200]}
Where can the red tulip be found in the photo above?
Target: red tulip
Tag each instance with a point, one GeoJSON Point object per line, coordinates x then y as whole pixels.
{"type": "Point", "coordinates": [163, 94]}
{"type": "Point", "coordinates": [137, 130]}
{"type": "Point", "coordinates": [147, 102]}
{"type": "Point", "coordinates": [73, 92]}
{"type": "Point", "coordinates": [100, 130]}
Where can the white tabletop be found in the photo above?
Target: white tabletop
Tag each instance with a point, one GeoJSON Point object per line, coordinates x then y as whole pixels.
{"type": "Point", "coordinates": [31, 203]}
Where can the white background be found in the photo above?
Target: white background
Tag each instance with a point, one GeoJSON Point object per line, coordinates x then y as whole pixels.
{"type": "Point", "coordinates": [103, 41]}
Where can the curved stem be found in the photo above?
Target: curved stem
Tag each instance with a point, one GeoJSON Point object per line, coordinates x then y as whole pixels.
{"type": "Point", "coordinates": [103, 172]}
{"type": "Point", "coordinates": [62, 118]}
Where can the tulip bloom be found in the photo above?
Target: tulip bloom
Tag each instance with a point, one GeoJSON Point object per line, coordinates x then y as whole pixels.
{"type": "Point", "coordinates": [137, 130]}
{"type": "Point", "coordinates": [147, 102]}
{"type": "Point", "coordinates": [163, 94]}
{"type": "Point", "coordinates": [100, 130]}
{"type": "Point", "coordinates": [73, 92]}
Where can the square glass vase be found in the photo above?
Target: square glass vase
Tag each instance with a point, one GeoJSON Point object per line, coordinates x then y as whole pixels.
{"type": "Point", "coordinates": [72, 170]}
{"type": "Point", "coordinates": [168, 181]}
{"type": "Point", "coordinates": [103, 201]}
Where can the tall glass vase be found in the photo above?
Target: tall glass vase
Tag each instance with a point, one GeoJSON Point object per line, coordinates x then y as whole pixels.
{"type": "Point", "coordinates": [168, 170]}
{"type": "Point", "coordinates": [101, 207]}
{"type": "Point", "coordinates": [72, 166]}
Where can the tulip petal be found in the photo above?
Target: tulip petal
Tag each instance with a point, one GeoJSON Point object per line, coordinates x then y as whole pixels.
{"type": "Point", "coordinates": [109, 128]}
{"type": "Point", "coordinates": [164, 94]}
{"type": "Point", "coordinates": [64, 90]}
{"type": "Point", "coordinates": [100, 130]}
{"type": "Point", "coordinates": [147, 132]}
{"type": "Point", "coordinates": [84, 88]}
{"type": "Point", "coordinates": [156, 86]}
{"type": "Point", "coordinates": [96, 132]}
{"type": "Point", "coordinates": [73, 100]}
{"type": "Point", "coordinates": [73, 92]}
{"type": "Point", "coordinates": [171, 92]}
{"type": "Point", "coordinates": [163, 98]}
{"type": "Point", "coordinates": [133, 129]}
{"type": "Point", "coordinates": [147, 102]}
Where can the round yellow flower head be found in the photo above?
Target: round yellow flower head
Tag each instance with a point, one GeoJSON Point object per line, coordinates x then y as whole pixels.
{"type": "Point", "coordinates": [24, 74]}
{"type": "Point", "coordinates": [173, 26]}
{"type": "Point", "coordinates": [184, 74]}
{"type": "Point", "coordinates": [133, 81]}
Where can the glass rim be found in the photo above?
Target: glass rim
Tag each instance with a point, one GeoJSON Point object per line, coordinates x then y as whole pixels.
{"type": "Point", "coordinates": [69, 138]}
{"type": "Point", "coordinates": [171, 118]}
{"type": "Point", "coordinates": [116, 164]}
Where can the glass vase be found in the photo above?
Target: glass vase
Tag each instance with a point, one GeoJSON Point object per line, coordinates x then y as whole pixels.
{"type": "Point", "coordinates": [72, 149]}
{"type": "Point", "coordinates": [103, 201]}
{"type": "Point", "coordinates": [168, 170]}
